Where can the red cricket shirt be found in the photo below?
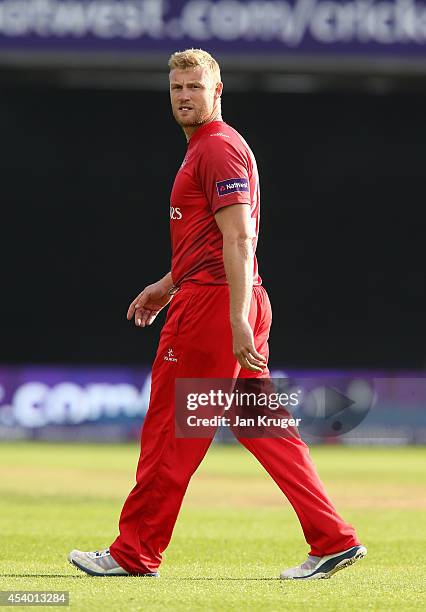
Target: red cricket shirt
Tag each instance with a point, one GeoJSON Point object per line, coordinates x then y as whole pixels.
{"type": "Point", "coordinates": [219, 170]}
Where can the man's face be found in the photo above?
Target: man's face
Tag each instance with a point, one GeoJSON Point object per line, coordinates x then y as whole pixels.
{"type": "Point", "coordinates": [194, 96]}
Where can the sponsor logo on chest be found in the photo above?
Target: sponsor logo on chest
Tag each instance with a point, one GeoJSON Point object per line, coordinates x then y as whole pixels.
{"type": "Point", "coordinates": [175, 213]}
{"type": "Point", "coordinates": [170, 356]}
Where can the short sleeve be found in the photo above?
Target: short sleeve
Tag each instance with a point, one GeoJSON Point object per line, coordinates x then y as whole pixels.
{"type": "Point", "coordinates": [224, 174]}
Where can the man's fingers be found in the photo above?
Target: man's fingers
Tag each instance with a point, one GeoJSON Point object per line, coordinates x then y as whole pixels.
{"type": "Point", "coordinates": [245, 363]}
{"type": "Point", "coordinates": [257, 355]}
{"type": "Point", "coordinates": [249, 362]}
{"type": "Point", "coordinates": [151, 318]}
{"type": "Point", "coordinates": [255, 365]}
{"type": "Point", "coordinates": [145, 316]}
{"type": "Point", "coordinates": [252, 354]}
{"type": "Point", "coordinates": [258, 362]}
{"type": "Point", "coordinates": [141, 316]}
{"type": "Point", "coordinates": [138, 302]}
{"type": "Point", "coordinates": [254, 357]}
{"type": "Point", "coordinates": [130, 312]}
{"type": "Point", "coordinates": [132, 308]}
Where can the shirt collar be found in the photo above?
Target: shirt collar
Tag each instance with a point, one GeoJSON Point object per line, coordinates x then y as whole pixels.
{"type": "Point", "coordinates": [202, 129]}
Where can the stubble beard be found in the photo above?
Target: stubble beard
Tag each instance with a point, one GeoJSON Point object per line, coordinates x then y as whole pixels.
{"type": "Point", "coordinates": [200, 116]}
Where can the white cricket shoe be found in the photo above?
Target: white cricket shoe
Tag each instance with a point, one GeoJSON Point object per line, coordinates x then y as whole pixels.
{"type": "Point", "coordinates": [324, 567]}
{"type": "Point", "coordinates": [100, 563]}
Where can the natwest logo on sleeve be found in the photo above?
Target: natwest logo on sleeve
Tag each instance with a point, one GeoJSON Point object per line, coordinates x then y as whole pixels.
{"type": "Point", "coordinates": [232, 185]}
{"type": "Point", "coordinates": [175, 213]}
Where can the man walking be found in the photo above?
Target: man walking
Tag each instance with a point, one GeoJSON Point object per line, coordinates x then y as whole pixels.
{"type": "Point", "coordinates": [217, 326]}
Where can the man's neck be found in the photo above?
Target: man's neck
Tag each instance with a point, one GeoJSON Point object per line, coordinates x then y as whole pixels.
{"type": "Point", "coordinates": [189, 131]}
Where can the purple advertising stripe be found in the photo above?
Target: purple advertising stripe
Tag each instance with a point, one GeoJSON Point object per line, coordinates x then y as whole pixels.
{"type": "Point", "coordinates": [37, 396]}
{"type": "Point", "coordinates": [359, 404]}
{"type": "Point", "coordinates": [291, 27]}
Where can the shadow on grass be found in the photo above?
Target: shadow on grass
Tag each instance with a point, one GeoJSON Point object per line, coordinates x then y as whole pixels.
{"type": "Point", "coordinates": [216, 578]}
{"type": "Point", "coordinates": [175, 579]}
{"type": "Point", "coordinates": [40, 576]}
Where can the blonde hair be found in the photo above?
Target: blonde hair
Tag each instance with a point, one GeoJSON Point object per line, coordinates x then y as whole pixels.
{"type": "Point", "coordinates": [192, 58]}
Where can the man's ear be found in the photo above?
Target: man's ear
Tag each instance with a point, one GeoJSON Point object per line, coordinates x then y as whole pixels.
{"type": "Point", "coordinates": [219, 89]}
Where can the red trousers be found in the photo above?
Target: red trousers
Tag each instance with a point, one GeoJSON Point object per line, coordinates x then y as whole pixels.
{"type": "Point", "coordinates": [196, 342]}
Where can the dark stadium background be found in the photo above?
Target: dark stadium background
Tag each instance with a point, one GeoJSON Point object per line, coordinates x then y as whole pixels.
{"type": "Point", "coordinates": [85, 182]}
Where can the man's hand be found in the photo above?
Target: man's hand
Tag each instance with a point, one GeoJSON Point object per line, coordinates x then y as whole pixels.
{"type": "Point", "coordinates": [243, 347]}
{"type": "Point", "coordinates": [146, 306]}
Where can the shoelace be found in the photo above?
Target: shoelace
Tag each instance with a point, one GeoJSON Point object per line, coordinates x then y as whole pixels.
{"type": "Point", "coordinates": [101, 553]}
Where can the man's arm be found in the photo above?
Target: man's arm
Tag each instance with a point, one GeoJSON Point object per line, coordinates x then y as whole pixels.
{"type": "Point", "coordinates": [146, 306]}
{"type": "Point", "coordinates": [234, 223]}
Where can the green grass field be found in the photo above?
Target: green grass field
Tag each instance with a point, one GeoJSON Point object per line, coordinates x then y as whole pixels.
{"type": "Point", "coordinates": [234, 535]}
